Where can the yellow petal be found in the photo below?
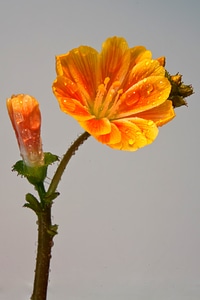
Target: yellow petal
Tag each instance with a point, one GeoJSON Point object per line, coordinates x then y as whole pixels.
{"type": "Point", "coordinates": [115, 59]}
{"type": "Point", "coordinates": [160, 114]}
{"type": "Point", "coordinates": [138, 53]}
{"type": "Point", "coordinates": [96, 127]}
{"type": "Point", "coordinates": [111, 138]}
{"type": "Point", "coordinates": [81, 66]}
{"type": "Point", "coordinates": [144, 69]}
{"type": "Point", "coordinates": [146, 94]}
{"type": "Point", "coordinates": [65, 88]}
{"type": "Point", "coordinates": [135, 133]}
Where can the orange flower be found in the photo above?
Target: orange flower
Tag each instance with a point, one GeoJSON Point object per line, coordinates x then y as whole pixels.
{"type": "Point", "coordinates": [119, 95]}
{"type": "Point", "coordinates": [26, 120]}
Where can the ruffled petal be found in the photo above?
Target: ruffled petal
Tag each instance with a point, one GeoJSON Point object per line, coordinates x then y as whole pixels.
{"type": "Point", "coordinates": [111, 138]}
{"type": "Point", "coordinates": [69, 104]}
{"type": "Point", "coordinates": [161, 114]}
{"type": "Point", "coordinates": [142, 70]}
{"type": "Point", "coordinates": [139, 53]}
{"type": "Point", "coordinates": [135, 133]}
{"type": "Point", "coordinates": [97, 127]}
{"type": "Point", "coordinates": [146, 94]}
{"type": "Point", "coordinates": [81, 66]}
{"type": "Point", "coordinates": [136, 53]}
{"type": "Point", "coordinates": [74, 108]}
{"type": "Point", "coordinates": [115, 59]}
{"type": "Point", "coordinates": [65, 88]}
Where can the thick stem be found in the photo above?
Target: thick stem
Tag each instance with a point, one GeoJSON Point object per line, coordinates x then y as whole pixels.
{"type": "Point", "coordinates": [45, 242]}
{"type": "Point", "coordinates": [46, 231]}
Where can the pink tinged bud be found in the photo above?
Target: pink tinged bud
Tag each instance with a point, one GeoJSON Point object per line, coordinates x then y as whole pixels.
{"type": "Point", "coordinates": [25, 116]}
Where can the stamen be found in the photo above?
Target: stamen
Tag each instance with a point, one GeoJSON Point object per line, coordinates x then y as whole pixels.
{"type": "Point", "coordinates": [107, 102]}
{"type": "Point", "coordinates": [107, 79]}
{"type": "Point", "coordinates": [111, 100]}
{"type": "Point", "coordinates": [101, 92]}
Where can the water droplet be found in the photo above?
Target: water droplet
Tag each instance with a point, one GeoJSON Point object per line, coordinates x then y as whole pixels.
{"type": "Point", "coordinates": [18, 117]}
{"type": "Point", "coordinates": [146, 89]}
{"type": "Point", "coordinates": [132, 97]}
{"type": "Point", "coordinates": [149, 88]}
{"type": "Point", "coordinates": [26, 134]}
{"type": "Point", "coordinates": [150, 123]}
{"type": "Point", "coordinates": [131, 142]}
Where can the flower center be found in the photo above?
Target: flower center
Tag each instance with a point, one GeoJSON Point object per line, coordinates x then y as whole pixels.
{"type": "Point", "coordinates": [107, 100]}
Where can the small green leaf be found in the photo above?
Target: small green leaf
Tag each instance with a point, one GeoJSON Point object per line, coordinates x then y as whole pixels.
{"type": "Point", "coordinates": [53, 230]}
{"type": "Point", "coordinates": [32, 203]}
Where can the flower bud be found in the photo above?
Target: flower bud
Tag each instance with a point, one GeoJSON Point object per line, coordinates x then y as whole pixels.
{"type": "Point", "coordinates": [25, 116]}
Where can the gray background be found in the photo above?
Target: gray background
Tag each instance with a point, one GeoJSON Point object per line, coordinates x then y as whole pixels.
{"type": "Point", "coordinates": [129, 223]}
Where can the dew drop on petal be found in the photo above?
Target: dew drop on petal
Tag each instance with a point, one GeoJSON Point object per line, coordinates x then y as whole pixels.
{"type": "Point", "coordinates": [147, 89]}
{"type": "Point", "coordinates": [132, 98]}
{"type": "Point", "coordinates": [25, 134]}
{"type": "Point", "coordinates": [19, 117]}
{"type": "Point", "coordinates": [131, 142]}
{"type": "Point", "coordinates": [150, 123]}
{"type": "Point", "coordinates": [138, 132]}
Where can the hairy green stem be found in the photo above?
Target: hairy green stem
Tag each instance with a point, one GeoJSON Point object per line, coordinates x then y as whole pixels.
{"type": "Point", "coordinates": [71, 151]}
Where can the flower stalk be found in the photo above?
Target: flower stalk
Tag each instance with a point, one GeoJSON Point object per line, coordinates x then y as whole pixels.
{"type": "Point", "coordinates": [47, 231]}
{"type": "Point", "coordinates": [66, 158]}
{"type": "Point", "coordinates": [45, 243]}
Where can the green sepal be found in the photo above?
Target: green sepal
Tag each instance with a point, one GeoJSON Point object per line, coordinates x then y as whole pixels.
{"type": "Point", "coordinates": [36, 174]}
{"type": "Point", "coordinates": [50, 158]}
{"type": "Point", "coordinates": [53, 230]}
{"type": "Point", "coordinates": [179, 90]}
{"type": "Point", "coordinates": [32, 203]}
